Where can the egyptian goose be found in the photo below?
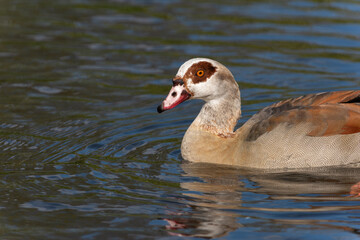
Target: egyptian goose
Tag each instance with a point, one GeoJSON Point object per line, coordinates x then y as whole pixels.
{"type": "Point", "coordinates": [315, 130]}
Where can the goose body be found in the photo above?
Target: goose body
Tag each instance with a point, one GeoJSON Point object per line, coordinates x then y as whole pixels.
{"type": "Point", "coordinates": [315, 130]}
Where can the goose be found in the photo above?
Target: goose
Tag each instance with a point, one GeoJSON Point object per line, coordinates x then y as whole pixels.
{"type": "Point", "coordinates": [315, 130]}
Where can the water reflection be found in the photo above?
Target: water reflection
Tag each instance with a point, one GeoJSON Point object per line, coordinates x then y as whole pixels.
{"type": "Point", "coordinates": [222, 195]}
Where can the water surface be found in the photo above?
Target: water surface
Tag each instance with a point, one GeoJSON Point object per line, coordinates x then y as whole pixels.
{"type": "Point", "coordinates": [84, 155]}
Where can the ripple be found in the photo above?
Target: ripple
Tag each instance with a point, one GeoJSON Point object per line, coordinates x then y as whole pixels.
{"type": "Point", "coordinates": [126, 18]}
{"type": "Point", "coordinates": [48, 90]}
{"type": "Point", "coordinates": [52, 206]}
{"type": "Point", "coordinates": [85, 155]}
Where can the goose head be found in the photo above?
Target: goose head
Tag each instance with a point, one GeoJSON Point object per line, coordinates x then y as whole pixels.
{"type": "Point", "coordinates": [200, 78]}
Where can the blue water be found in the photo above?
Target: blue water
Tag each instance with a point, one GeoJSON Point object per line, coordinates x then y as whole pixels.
{"type": "Point", "coordinates": [84, 154]}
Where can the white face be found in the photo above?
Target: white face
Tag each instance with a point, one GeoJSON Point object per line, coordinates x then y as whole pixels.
{"type": "Point", "coordinates": [199, 75]}
{"type": "Point", "coordinates": [198, 78]}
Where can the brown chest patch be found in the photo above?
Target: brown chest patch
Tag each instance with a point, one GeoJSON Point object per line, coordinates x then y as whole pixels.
{"type": "Point", "coordinates": [205, 69]}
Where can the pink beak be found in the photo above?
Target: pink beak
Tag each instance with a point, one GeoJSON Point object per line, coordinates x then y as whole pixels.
{"type": "Point", "coordinates": [177, 95]}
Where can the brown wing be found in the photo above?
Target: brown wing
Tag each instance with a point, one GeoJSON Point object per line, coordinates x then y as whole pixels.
{"type": "Point", "coordinates": [326, 113]}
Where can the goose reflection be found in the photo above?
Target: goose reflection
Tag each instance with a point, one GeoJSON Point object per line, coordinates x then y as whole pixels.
{"type": "Point", "coordinates": [224, 199]}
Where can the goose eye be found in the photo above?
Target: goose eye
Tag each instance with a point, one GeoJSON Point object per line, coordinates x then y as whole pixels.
{"type": "Point", "coordinates": [200, 73]}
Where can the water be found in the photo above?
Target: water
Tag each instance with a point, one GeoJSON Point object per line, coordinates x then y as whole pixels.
{"type": "Point", "coordinates": [84, 155]}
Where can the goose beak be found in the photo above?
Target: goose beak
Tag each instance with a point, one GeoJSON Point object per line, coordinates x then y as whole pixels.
{"type": "Point", "coordinates": [177, 95]}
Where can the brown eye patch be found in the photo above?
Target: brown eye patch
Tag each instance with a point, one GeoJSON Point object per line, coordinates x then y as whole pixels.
{"type": "Point", "coordinates": [200, 72]}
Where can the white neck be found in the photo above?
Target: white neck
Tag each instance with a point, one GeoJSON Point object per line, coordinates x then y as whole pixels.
{"type": "Point", "coordinates": [219, 116]}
